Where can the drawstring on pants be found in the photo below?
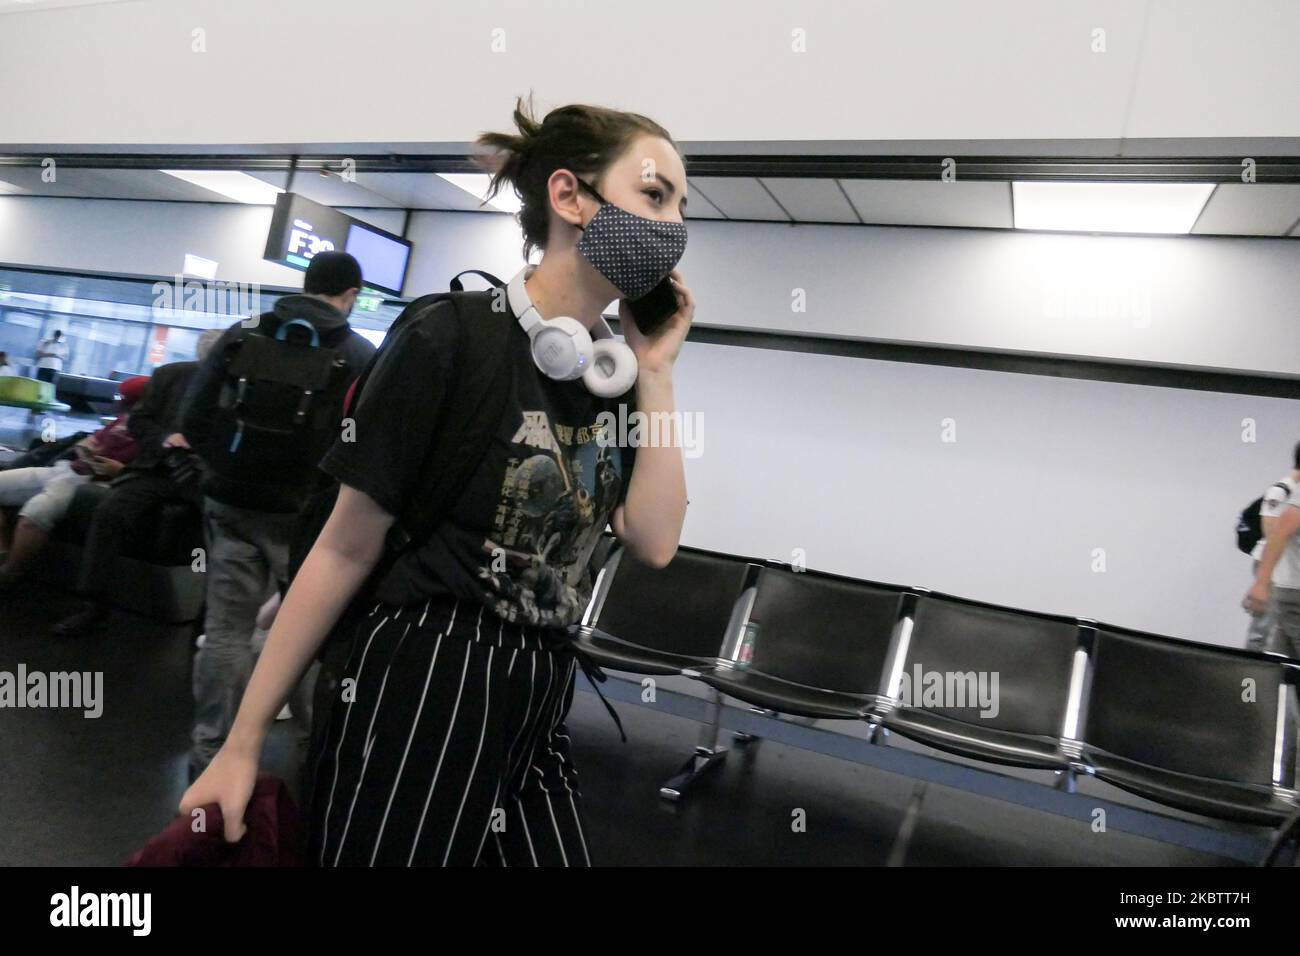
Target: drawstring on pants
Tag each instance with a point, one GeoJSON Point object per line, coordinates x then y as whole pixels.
{"type": "Point", "coordinates": [596, 676]}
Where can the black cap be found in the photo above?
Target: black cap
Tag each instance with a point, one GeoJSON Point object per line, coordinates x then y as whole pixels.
{"type": "Point", "coordinates": [332, 273]}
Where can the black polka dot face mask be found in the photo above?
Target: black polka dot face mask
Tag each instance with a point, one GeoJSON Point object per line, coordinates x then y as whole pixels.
{"type": "Point", "coordinates": [632, 252]}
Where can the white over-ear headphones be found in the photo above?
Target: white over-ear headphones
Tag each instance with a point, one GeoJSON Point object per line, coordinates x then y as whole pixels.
{"type": "Point", "coordinates": [564, 350]}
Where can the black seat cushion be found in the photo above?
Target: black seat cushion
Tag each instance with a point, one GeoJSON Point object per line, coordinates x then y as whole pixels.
{"type": "Point", "coordinates": [86, 393]}
{"type": "Point", "coordinates": [800, 700]}
{"type": "Point", "coordinates": [982, 743]}
{"type": "Point", "coordinates": [86, 387]}
{"type": "Point", "coordinates": [1213, 798]}
{"type": "Point", "coordinates": [614, 654]}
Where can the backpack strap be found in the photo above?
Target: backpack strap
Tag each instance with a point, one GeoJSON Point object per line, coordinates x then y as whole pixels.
{"type": "Point", "coordinates": [475, 406]}
{"type": "Point", "coordinates": [458, 286]}
{"type": "Point", "coordinates": [470, 420]}
{"type": "Point", "coordinates": [283, 331]}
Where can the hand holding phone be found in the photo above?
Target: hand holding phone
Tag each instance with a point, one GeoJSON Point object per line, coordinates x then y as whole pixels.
{"type": "Point", "coordinates": [657, 349]}
{"type": "Point", "coordinates": [654, 308]}
{"type": "Point", "coordinates": [106, 467]}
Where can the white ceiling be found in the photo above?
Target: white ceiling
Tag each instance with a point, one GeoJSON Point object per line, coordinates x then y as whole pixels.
{"type": "Point", "coordinates": [920, 203]}
{"type": "Point", "coordinates": [1113, 72]}
{"type": "Point", "coordinates": [1233, 209]}
{"type": "Point", "coordinates": [1236, 209]}
{"type": "Point", "coordinates": [29, 6]}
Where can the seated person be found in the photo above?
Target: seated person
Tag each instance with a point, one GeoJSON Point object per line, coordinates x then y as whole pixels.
{"type": "Point", "coordinates": [161, 473]}
{"type": "Point", "coordinates": [46, 492]}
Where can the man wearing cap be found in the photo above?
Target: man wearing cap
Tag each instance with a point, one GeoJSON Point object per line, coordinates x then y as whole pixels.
{"type": "Point", "coordinates": [254, 491]}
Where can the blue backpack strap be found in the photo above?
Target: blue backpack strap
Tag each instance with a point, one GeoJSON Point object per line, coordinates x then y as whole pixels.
{"type": "Point", "coordinates": [282, 331]}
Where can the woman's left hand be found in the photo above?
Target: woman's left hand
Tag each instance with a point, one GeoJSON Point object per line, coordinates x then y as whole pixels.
{"type": "Point", "coordinates": [657, 352]}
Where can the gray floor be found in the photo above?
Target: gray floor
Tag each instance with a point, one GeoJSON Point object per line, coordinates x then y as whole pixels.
{"type": "Point", "coordinates": [742, 813]}
{"type": "Point", "coordinates": [77, 791]}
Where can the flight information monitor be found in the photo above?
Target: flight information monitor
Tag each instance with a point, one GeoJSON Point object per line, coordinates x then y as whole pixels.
{"type": "Point", "coordinates": [301, 228]}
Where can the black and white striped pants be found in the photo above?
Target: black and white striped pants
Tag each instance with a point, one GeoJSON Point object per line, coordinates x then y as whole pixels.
{"type": "Point", "coordinates": [449, 749]}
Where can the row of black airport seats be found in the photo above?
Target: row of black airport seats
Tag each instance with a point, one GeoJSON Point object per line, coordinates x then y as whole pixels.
{"type": "Point", "coordinates": [1205, 729]}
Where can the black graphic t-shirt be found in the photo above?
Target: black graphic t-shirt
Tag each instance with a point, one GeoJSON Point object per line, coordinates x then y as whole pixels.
{"type": "Point", "coordinates": [520, 537]}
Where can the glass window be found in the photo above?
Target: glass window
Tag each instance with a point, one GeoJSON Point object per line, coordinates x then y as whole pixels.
{"type": "Point", "coordinates": [20, 333]}
{"type": "Point", "coordinates": [120, 327]}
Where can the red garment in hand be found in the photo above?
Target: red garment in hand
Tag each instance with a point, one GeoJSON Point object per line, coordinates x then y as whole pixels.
{"type": "Point", "coordinates": [112, 441]}
{"type": "Point", "coordinates": [275, 834]}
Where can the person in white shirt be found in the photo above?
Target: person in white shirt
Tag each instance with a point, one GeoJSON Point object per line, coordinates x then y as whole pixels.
{"type": "Point", "coordinates": [50, 356]}
{"type": "Point", "coordinates": [5, 367]}
{"type": "Point", "coordinates": [1274, 500]}
{"type": "Point", "coordinates": [1276, 591]}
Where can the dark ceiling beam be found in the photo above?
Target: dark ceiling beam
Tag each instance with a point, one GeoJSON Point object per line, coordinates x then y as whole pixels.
{"type": "Point", "coordinates": [1227, 169]}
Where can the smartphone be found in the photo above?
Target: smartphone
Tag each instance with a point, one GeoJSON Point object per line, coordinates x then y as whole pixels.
{"type": "Point", "coordinates": [654, 308]}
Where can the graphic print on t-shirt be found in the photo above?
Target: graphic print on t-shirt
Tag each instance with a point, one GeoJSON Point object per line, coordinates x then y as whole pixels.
{"type": "Point", "coordinates": [520, 534]}
{"type": "Point", "coordinates": [558, 482]}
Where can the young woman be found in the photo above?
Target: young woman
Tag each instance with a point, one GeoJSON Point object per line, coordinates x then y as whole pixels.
{"type": "Point", "coordinates": [448, 744]}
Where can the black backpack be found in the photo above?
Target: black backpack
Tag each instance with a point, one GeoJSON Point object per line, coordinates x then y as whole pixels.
{"type": "Point", "coordinates": [1250, 527]}
{"type": "Point", "coordinates": [476, 402]}
{"type": "Point", "coordinates": [278, 408]}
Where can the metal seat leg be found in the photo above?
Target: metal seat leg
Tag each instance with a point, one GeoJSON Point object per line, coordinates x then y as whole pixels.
{"type": "Point", "coordinates": [707, 754]}
{"type": "Point", "coordinates": [1066, 781]}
